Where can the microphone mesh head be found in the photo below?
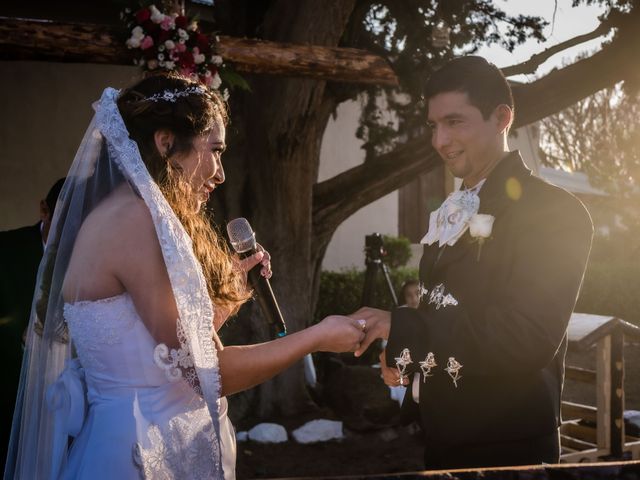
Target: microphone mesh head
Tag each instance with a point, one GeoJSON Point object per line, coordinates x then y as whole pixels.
{"type": "Point", "coordinates": [241, 235]}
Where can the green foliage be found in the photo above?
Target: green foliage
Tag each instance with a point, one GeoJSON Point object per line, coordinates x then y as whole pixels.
{"type": "Point", "coordinates": [611, 281]}
{"type": "Point", "coordinates": [233, 79]}
{"type": "Point", "coordinates": [398, 251]}
{"type": "Point", "coordinates": [611, 288]}
{"type": "Point", "coordinates": [341, 292]}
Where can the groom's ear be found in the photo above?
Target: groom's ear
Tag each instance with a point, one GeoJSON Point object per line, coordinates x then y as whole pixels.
{"type": "Point", "coordinates": [163, 140]}
{"type": "Point", "coordinates": [504, 117]}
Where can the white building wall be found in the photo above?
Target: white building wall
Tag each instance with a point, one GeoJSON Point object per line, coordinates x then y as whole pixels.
{"type": "Point", "coordinates": [46, 108]}
{"type": "Point", "coordinates": [341, 151]}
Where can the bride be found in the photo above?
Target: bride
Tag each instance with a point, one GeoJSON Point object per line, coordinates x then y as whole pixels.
{"type": "Point", "coordinates": [124, 375]}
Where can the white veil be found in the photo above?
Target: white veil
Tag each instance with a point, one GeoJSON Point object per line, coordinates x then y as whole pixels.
{"type": "Point", "coordinates": [44, 418]}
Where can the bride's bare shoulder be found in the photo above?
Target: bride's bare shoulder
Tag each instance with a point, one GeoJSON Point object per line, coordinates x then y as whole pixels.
{"type": "Point", "coordinates": [122, 214]}
{"type": "Point", "coordinates": [116, 236]}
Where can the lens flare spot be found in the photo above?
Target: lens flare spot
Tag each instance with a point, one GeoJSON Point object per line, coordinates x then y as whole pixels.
{"type": "Point", "coordinates": [513, 188]}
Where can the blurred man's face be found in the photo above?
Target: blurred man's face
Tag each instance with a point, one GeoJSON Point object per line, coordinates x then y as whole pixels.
{"type": "Point", "coordinates": [412, 296]}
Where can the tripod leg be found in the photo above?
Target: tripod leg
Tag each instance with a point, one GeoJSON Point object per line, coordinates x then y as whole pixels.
{"type": "Point", "coordinates": [369, 280]}
{"type": "Point", "coordinates": [392, 292]}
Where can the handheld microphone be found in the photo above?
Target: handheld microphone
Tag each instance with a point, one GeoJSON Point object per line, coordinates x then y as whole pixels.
{"type": "Point", "coordinates": [243, 241]}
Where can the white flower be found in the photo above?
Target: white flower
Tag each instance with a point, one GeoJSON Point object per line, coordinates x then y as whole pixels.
{"type": "Point", "coordinates": [134, 42]}
{"type": "Point", "coordinates": [183, 34]}
{"type": "Point", "coordinates": [182, 40]}
{"type": "Point", "coordinates": [169, 65]}
{"type": "Point", "coordinates": [137, 32]}
{"type": "Point", "coordinates": [156, 15]}
{"type": "Point", "coordinates": [216, 81]}
{"type": "Point", "coordinates": [169, 44]}
{"type": "Point", "coordinates": [198, 58]}
{"type": "Point", "coordinates": [161, 57]}
{"type": "Point", "coordinates": [216, 60]}
{"type": "Point", "coordinates": [161, 48]}
{"type": "Point", "coordinates": [481, 225]}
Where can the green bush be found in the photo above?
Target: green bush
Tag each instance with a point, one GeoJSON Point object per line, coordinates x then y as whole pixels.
{"type": "Point", "coordinates": [398, 251]}
{"type": "Point", "coordinates": [611, 288]}
{"type": "Point", "coordinates": [341, 292]}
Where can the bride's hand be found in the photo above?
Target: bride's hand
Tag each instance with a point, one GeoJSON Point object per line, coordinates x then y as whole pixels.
{"type": "Point", "coordinates": [260, 257]}
{"type": "Point", "coordinates": [337, 333]}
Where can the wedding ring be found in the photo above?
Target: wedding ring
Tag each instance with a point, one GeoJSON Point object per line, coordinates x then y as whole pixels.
{"type": "Point", "coordinates": [363, 324]}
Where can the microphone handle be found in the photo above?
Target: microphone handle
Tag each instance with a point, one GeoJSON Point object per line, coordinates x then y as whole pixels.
{"type": "Point", "coordinates": [267, 300]}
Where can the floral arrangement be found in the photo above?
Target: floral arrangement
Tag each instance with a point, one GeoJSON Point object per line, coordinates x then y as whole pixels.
{"type": "Point", "coordinates": [174, 43]}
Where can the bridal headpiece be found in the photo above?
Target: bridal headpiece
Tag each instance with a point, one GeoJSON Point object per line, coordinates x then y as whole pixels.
{"type": "Point", "coordinates": [173, 95]}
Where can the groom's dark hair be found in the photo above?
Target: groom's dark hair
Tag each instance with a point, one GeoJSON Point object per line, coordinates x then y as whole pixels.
{"type": "Point", "coordinates": [482, 81]}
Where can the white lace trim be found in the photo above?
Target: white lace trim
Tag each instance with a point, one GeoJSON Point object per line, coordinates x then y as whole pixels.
{"type": "Point", "coordinates": [182, 449]}
{"type": "Point", "coordinates": [195, 323]}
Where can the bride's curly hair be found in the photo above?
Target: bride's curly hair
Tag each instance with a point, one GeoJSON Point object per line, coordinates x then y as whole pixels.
{"type": "Point", "coordinates": [187, 117]}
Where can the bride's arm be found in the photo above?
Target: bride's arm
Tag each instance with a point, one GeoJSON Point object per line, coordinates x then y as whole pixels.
{"type": "Point", "coordinates": [245, 366]}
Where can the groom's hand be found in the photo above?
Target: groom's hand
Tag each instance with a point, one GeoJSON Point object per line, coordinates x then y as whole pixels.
{"type": "Point", "coordinates": [390, 375]}
{"type": "Point", "coordinates": [377, 326]}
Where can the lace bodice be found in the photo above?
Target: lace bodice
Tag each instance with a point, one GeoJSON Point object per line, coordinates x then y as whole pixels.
{"type": "Point", "coordinates": [170, 428]}
{"type": "Point", "coordinates": [110, 339]}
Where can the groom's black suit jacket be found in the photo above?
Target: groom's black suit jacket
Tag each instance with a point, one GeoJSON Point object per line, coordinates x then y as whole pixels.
{"type": "Point", "coordinates": [20, 255]}
{"type": "Point", "coordinates": [508, 329]}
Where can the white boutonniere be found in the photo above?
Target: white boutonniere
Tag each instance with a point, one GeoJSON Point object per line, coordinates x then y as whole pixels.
{"type": "Point", "coordinates": [480, 227]}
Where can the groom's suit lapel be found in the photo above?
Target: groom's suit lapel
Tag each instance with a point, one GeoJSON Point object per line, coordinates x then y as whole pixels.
{"type": "Point", "coordinates": [495, 196]}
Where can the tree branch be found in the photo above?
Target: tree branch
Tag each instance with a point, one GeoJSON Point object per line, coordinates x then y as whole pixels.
{"type": "Point", "coordinates": [22, 39]}
{"type": "Point", "coordinates": [531, 65]}
{"type": "Point", "coordinates": [561, 88]}
{"type": "Point", "coordinates": [335, 199]}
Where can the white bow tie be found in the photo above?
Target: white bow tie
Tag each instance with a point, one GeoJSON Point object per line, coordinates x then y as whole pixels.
{"type": "Point", "coordinates": [449, 222]}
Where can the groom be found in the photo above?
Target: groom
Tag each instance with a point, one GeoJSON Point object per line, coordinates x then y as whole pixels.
{"type": "Point", "coordinates": [504, 258]}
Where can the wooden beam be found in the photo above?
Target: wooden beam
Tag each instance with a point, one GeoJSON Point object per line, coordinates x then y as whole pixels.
{"type": "Point", "coordinates": [24, 39]}
{"type": "Point", "coordinates": [577, 411]}
{"type": "Point", "coordinates": [580, 374]}
{"type": "Point", "coordinates": [574, 445]}
{"type": "Point", "coordinates": [580, 432]}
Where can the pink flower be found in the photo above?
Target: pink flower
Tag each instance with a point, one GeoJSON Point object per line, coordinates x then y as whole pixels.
{"type": "Point", "coordinates": [180, 47]}
{"type": "Point", "coordinates": [167, 23]}
{"type": "Point", "coordinates": [187, 72]}
{"type": "Point", "coordinates": [147, 42]}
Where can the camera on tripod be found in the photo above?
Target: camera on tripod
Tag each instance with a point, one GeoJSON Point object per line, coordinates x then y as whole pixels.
{"type": "Point", "coordinates": [374, 248]}
{"type": "Point", "coordinates": [374, 253]}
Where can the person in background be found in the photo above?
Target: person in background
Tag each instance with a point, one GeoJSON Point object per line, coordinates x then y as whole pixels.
{"type": "Point", "coordinates": [410, 293]}
{"type": "Point", "coordinates": [20, 254]}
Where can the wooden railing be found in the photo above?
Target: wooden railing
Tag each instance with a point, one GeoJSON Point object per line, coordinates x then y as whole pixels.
{"type": "Point", "coordinates": [589, 433]}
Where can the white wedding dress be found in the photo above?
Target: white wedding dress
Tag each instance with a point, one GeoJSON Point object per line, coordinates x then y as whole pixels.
{"type": "Point", "coordinates": [138, 423]}
{"type": "Point", "coordinates": [133, 409]}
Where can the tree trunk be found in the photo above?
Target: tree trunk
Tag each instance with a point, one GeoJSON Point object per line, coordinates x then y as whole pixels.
{"type": "Point", "coordinates": [281, 127]}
